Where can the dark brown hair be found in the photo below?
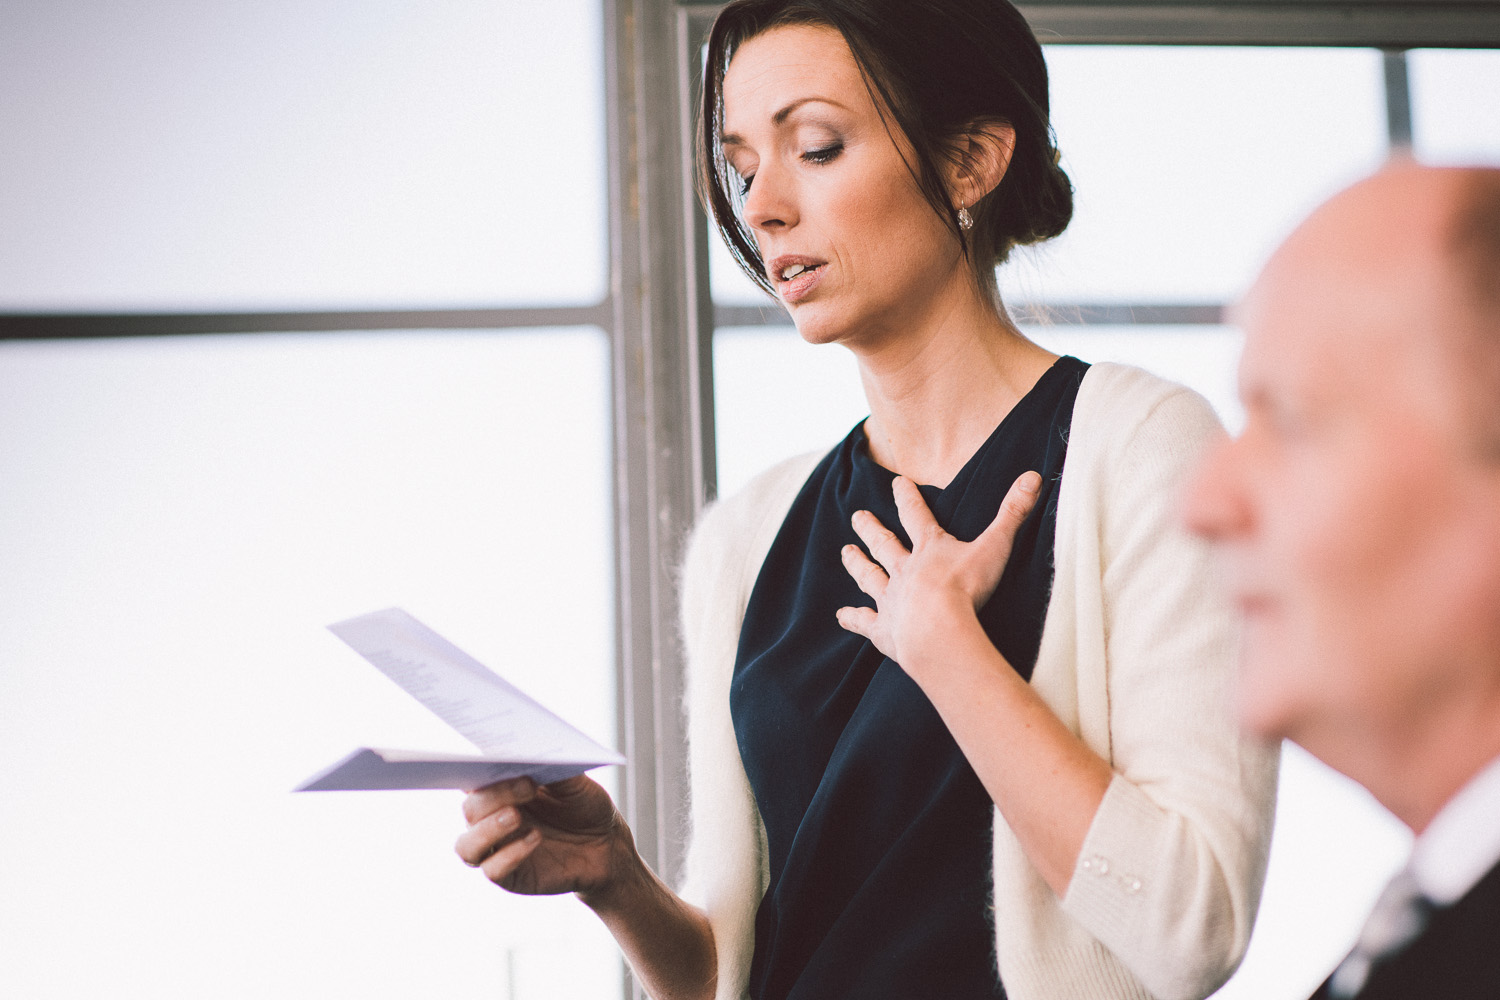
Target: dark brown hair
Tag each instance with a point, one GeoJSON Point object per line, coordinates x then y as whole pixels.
{"type": "Point", "coordinates": [939, 69]}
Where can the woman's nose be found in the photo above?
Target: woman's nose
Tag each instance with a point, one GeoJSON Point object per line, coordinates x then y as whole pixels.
{"type": "Point", "coordinates": [769, 204]}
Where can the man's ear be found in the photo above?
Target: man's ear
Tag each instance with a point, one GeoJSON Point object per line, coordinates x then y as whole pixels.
{"type": "Point", "coordinates": [978, 159]}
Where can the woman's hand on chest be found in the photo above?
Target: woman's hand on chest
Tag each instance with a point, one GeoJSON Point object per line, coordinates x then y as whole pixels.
{"type": "Point", "coordinates": [926, 599]}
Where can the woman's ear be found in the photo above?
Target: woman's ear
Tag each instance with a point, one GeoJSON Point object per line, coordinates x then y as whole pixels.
{"type": "Point", "coordinates": [979, 158]}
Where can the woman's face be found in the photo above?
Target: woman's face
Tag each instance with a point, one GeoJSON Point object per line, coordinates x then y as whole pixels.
{"type": "Point", "coordinates": [850, 244]}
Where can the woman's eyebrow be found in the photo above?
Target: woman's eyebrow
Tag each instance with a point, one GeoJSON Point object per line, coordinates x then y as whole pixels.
{"type": "Point", "coordinates": [780, 117]}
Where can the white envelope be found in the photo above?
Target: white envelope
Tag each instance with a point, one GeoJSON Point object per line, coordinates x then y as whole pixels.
{"type": "Point", "coordinates": [515, 735]}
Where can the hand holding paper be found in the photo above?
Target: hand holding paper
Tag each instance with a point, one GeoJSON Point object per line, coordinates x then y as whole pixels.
{"type": "Point", "coordinates": [515, 735]}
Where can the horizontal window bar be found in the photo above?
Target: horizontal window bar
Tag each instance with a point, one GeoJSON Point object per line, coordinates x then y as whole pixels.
{"type": "Point", "coordinates": [52, 326]}
{"type": "Point", "coordinates": [84, 326]}
{"type": "Point", "coordinates": [1391, 24]}
{"type": "Point", "coordinates": [62, 326]}
{"type": "Point", "coordinates": [1059, 314]}
{"type": "Point", "coordinates": [1119, 314]}
{"type": "Point", "coordinates": [1381, 24]}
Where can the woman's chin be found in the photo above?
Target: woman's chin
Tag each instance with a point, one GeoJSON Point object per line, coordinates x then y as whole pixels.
{"type": "Point", "coordinates": [815, 329]}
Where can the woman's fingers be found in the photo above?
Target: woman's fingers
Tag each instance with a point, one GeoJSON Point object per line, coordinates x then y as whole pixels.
{"type": "Point", "coordinates": [885, 548]}
{"type": "Point", "coordinates": [1019, 500]}
{"type": "Point", "coordinates": [481, 839]}
{"type": "Point", "coordinates": [937, 558]}
{"type": "Point", "coordinates": [861, 621]}
{"type": "Point", "coordinates": [869, 577]}
{"type": "Point", "coordinates": [493, 814]}
{"type": "Point", "coordinates": [481, 802]}
{"type": "Point", "coordinates": [915, 515]}
{"type": "Point", "coordinates": [500, 865]}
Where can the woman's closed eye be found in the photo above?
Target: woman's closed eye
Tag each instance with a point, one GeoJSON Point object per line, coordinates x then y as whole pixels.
{"type": "Point", "coordinates": [817, 157]}
{"type": "Point", "coordinates": [824, 154]}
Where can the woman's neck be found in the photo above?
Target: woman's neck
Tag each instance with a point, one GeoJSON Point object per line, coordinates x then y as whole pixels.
{"type": "Point", "coordinates": [937, 393]}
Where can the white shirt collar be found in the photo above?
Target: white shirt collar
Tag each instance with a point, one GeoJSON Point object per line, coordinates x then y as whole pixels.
{"type": "Point", "coordinates": [1463, 840]}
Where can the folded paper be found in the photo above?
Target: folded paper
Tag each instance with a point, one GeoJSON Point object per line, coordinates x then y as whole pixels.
{"type": "Point", "coordinates": [514, 734]}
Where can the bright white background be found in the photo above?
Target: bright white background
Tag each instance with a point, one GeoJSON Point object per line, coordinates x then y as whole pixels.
{"type": "Point", "coordinates": [290, 154]}
{"type": "Point", "coordinates": [179, 517]}
{"type": "Point", "coordinates": [178, 520]}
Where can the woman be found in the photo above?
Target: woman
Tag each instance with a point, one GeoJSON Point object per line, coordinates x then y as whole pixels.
{"type": "Point", "coordinates": [1016, 774]}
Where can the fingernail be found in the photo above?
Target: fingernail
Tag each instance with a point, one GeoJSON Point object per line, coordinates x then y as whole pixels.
{"type": "Point", "coordinates": [507, 818]}
{"type": "Point", "coordinates": [1031, 482]}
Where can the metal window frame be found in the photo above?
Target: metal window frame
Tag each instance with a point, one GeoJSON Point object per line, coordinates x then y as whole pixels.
{"type": "Point", "coordinates": [663, 398]}
{"type": "Point", "coordinates": [1378, 24]}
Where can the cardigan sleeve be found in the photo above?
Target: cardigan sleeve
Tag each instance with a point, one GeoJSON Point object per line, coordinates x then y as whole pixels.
{"type": "Point", "coordinates": [722, 864]}
{"type": "Point", "coordinates": [725, 870]}
{"type": "Point", "coordinates": [1170, 873]}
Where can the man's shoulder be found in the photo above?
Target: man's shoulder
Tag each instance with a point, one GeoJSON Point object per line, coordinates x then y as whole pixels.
{"type": "Point", "coordinates": [1471, 924]}
{"type": "Point", "coordinates": [1454, 957]}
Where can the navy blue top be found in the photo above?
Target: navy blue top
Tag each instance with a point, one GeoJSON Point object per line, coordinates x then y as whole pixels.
{"type": "Point", "coordinates": [877, 827]}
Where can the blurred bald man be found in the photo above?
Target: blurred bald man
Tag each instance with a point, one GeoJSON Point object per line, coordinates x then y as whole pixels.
{"type": "Point", "coordinates": [1360, 516]}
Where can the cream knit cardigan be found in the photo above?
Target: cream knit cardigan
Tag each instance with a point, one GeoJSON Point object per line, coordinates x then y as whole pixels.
{"type": "Point", "coordinates": [1136, 657]}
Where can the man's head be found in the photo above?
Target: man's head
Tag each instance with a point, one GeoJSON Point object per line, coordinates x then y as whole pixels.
{"type": "Point", "coordinates": [1360, 508]}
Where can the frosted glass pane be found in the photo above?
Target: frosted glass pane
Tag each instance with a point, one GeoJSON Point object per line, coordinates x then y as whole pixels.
{"type": "Point", "coordinates": [731, 285]}
{"type": "Point", "coordinates": [300, 154]}
{"type": "Point", "coordinates": [179, 518]}
{"type": "Point", "coordinates": [1203, 357]}
{"type": "Point", "coordinates": [775, 395]}
{"type": "Point", "coordinates": [1455, 105]}
{"type": "Point", "coordinates": [1192, 163]}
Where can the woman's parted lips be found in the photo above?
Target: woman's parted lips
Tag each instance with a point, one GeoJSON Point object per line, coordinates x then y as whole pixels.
{"type": "Point", "coordinates": [797, 263]}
